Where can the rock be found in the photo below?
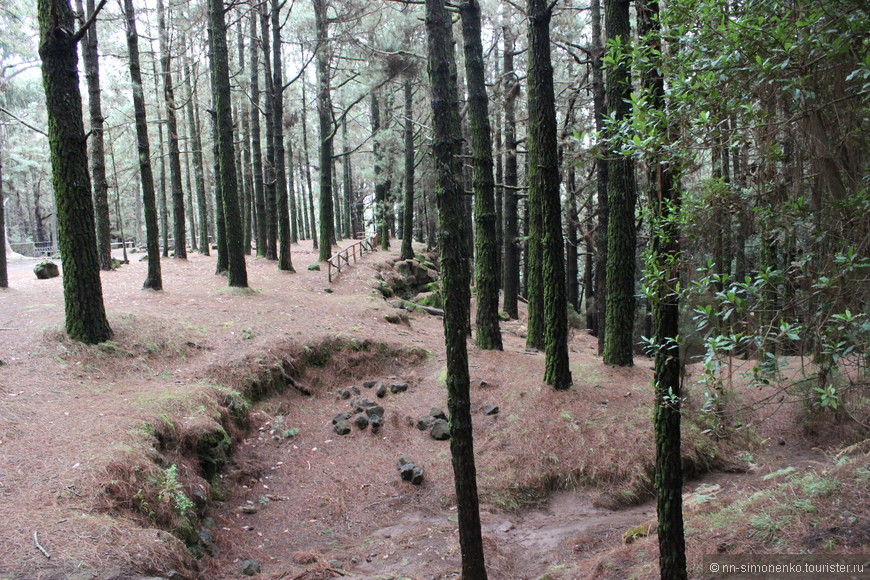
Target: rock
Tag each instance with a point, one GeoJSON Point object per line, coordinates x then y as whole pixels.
{"type": "Point", "coordinates": [360, 405]}
{"type": "Point", "coordinates": [490, 409]}
{"type": "Point", "coordinates": [370, 384]}
{"type": "Point", "coordinates": [425, 423]}
{"type": "Point", "coordinates": [381, 391]}
{"type": "Point", "coordinates": [341, 427]}
{"type": "Point", "coordinates": [377, 422]}
{"type": "Point", "coordinates": [361, 420]}
{"type": "Point", "coordinates": [398, 388]}
{"type": "Point", "coordinates": [397, 318]}
{"type": "Point", "coordinates": [506, 527]}
{"type": "Point", "coordinates": [440, 430]}
{"type": "Point", "coordinates": [437, 413]}
{"type": "Point", "coordinates": [412, 473]}
{"type": "Point", "coordinates": [45, 270]}
{"type": "Point", "coordinates": [402, 461]}
{"type": "Point", "coordinates": [328, 290]}
{"type": "Point", "coordinates": [376, 411]}
{"type": "Point", "coordinates": [314, 267]}
{"type": "Point", "coordinates": [249, 509]}
{"type": "Point", "coordinates": [355, 390]}
{"type": "Point", "coordinates": [343, 416]}
{"type": "Point", "coordinates": [250, 567]}
{"type": "Point", "coordinates": [343, 393]}
{"type": "Point", "coordinates": [206, 538]}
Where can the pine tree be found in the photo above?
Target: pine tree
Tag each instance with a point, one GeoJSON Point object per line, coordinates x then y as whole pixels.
{"type": "Point", "coordinates": [85, 318]}
{"type": "Point", "coordinates": [511, 254]}
{"type": "Point", "coordinates": [324, 114]}
{"type": "Point", "coordinates": [455, 282]}
{"type": "Point", "coordinates": [408, 206]}
{"type": "Point", "coordinates": [285, 261]}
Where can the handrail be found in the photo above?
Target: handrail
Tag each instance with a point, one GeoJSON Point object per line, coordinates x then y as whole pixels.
{"type": "Point", "coordinates": [369, 244]}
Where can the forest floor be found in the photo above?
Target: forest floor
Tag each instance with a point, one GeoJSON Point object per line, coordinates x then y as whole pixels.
{"type": "Point", "coordinates": [100, 446]}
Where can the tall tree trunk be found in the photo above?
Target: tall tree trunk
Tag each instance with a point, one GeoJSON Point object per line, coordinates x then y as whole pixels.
{"type": "Point", "coordinates": [408, 205]}
{"type": "Point", "coordinates": [380, 186]}
{"type": "Point", "coordinates": [178, 230]}
{"type": "Point", "coordinates": [285, 261]}
{"type": "Point", "coordinates": [243, 154]}
{"type": "Point", "coordinates": [311, 227]}
{"type": "Point", "coordinates": [269, 166]}
{"type": "Point", "coordinates": [291, 191]}
{"type": "Point", "coordinates": [621, 197]}
{"type": "Point", "coordinates": [154, 280]}
{"type": "Point", "coordinates": [350, 225]}
{"type": "Point", "coordinates": [455, 280]}
{"type": "Point", "coordinates": [98, 150]}
{"type": "Point", "coordinates": [85, 318]}
{"type": "Point", "coordinates": [256, 150]}
{"type": "Point", "coordinates": [237, 271]}
{"type": "Point", "coordinates": [4, 241]}
{"type": "Point", "coordinates": [161, 191]}
{"type": "Point", "coordinates": [191, 214]}
{"type": "Point", "coordinates": [543, 181]}
{"type": "Point", "coordinates": [198, 173]}
{"type": "Point", "coordinates": [572, 273]}
{"type": "Point", "coordinates": [511, 255]}
{"type": "Point", "coordinates": [665, 257]}
{"type": "Point", "coordinates": [599, 97]}
{"type": "Point", "coordinates": [324, 114]}
{"type": "Point", "coordinates": [488, 335]}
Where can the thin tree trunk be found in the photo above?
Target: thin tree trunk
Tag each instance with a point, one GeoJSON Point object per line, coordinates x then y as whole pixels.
{"type": "Point", "coordinates": [198, 173]}
{"type": "Point", "coordinates": [324, 114]}
{"type": "Point", "coordinates": [311, 227]}
{"type": "Point", "coordinates": [455, 281]}
{"type": "Point", "coordinates": [243, 153]}
{"type": "Point", "coordinates": [291, 190]}
{"type": "Point", "coordinates": [256, 150]}
{"type": "Point", "coordinates": [90, 56]}
{"type": "Point", "coordinates": [511, 254]}
{"type": "Point", "coordinates": [285, 261]}
{"type": "Point", "coordinates": [408, 206]}
{"type": "Point", "coordinates": [153, 280]}
{"type": "Point", "coordinates": [85, 314]}
{"type": "Point", "coordinates": [4, 241]}
{"type": "Point", "coordinates": [599, 97]}
{"type": "Point", "coordinates": [488, 335]}
{"type": "Point", "coordinates": [178, 231]}
{"type": "Point", "coordinates": [351, 227]}
{"type": "Point", "coordinates": [269, 177]}
{"type": "Point", "coordinates": [380, 186]}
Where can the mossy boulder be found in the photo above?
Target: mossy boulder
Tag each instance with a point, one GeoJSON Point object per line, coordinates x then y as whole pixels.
{"type": "Point", "coordinates": [46, 269]}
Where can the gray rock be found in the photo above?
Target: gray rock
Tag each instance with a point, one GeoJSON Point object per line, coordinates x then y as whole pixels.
{"type": "Point", "coordinates": [355, 390]}
{"type": "Point", "coordinates": [377, 422]}
{"type": "Point", "coordinates": [440, 430]}
{"type": "Point", "coordinates": [206, 538]}
{"type": "Point", "coordinates": [398, 388]}
{"type": "Point", "coordinates": [343, 393]}
{"type": "Point", "coordinates": [343, 416]}
{"type": "Point", "coordinates": [376, 411]}
{"type": "Point", "coordinates": [370, 384]}
{"type": "Point", "coordinates": [437, 413]}
{"type": "Point", "coordinates": [381, 391]}
{"type": "Point", "coordinates": [490, 409]}
{"type": "Point", "coordinates": [360, 405]}
{"type": "Point", "coordinates": [361, 420]}
{"type": "Point", "coordinates": [250, 567]}
{"type": "Point", "coordinates": [341, 427]}
{"type": "Point", "coordinates": [412, 473]}
{"type": "Point", "coordinates": [425, 423]}
{"type": "Point", "coordinates": [402, 461]}
{"type": "Point", "coordinates": [46, 269]}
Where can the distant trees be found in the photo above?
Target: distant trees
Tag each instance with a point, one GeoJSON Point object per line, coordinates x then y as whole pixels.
{"type": "Point", "coordinates": [85, 318]}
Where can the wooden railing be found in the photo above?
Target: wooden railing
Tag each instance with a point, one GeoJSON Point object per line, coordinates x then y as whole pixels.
{"type": "Point", "coordinates": [343, 257]}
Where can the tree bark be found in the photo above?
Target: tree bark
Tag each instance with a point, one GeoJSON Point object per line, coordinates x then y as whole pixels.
{"type": "Point", "coordinates": [236, 270]}
{"type": "Point", "coordinates": [621, 197]}
{"type": "Point", "coordinates": [455, 280]}
{"type": "Point", "coordinates": [311, 226]}
{"type": "Point", "coordinates": [256, 149]}
{"type": "Point", "coordinates": [349, 215]}
{"type": "Point", "coordinates": [543, 181]}
{"type": "Point", "coordinates": [97, 145]}
{"type": "Point", "coordinates": [408, 206]}
{"type": "Point", "coordinates": [511, 254]}
{"type": "Point", "coordinates": [598, 291]}
{"type": "Point", "coordinates": [488, 335]}
{"type": "Point", "coordinates": [324, 114]}
{"type": "Point", "coordinates": [380, 186]}
{"type": "Point", "coordinates": [285, 261]}
{"type": "Point", "coordinates": [198, 166]}
{"type": "Point", "coordinates": [153, 280]}
{"type": "Point", "coordinates": [85, 318]}
{"type": "Point", "coordinates": [269, 177]}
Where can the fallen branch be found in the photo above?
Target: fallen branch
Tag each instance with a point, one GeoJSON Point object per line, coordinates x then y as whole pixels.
{"type": "Point", "coordinates": [41, 549]}
{"type": "Point", "coordinates": [427, 309]}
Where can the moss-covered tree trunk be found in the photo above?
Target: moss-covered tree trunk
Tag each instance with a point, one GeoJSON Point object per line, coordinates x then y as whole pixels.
{"type": "Point", "coordinates": [236, 269]}
{"type": "Point", "coordinates": [97, 145]}
{"type": "Point", "coordinates": [380, 186]}
{"type": "Point", "coordinates": [664, 278]}
{"type": "Point", "coordinates": [408, 205]}
{"type": "Point", "coordinates": [153, 280]}
{"type": "Point", "coordinates": [488, 335]}
{"type": "Point", "coordinates": [179, 231]}
{"type": "Point", "coordinates": [598, 290]}
{"type": "Point", "coordinates": [511, 254]}
{"type": "Point", "coordinates": [324, 115]}
{"type": "Point", "coordinates": [455, 281]}
{"type": "Point", "coordinates": [544, 193]}
{"type": "Point", "coordinates": [621, 197]}
{"type": "Point", "coordinates": [85, 318]}
{"type": "Point", "coordinates": [285, 261]}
